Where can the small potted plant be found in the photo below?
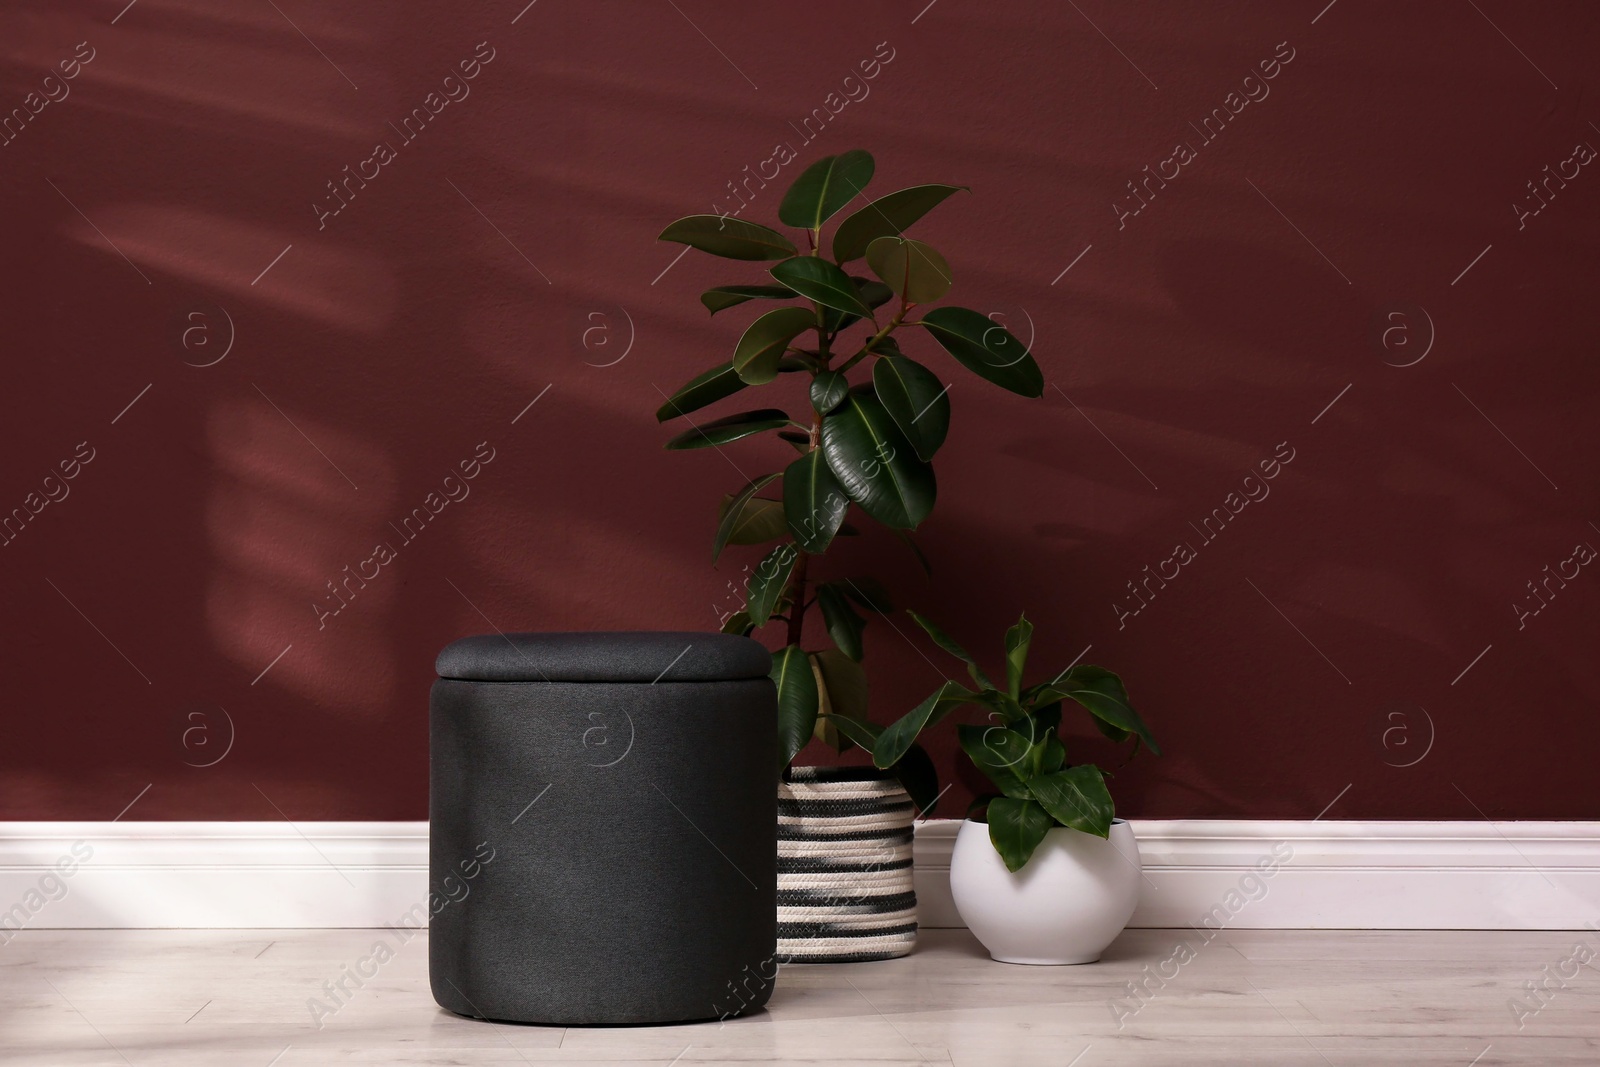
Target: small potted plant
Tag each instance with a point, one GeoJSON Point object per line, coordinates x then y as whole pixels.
{"type": "Point", "coordinates": [844, 879]}
{"type": "Point", "coordinates": [1043, 872]}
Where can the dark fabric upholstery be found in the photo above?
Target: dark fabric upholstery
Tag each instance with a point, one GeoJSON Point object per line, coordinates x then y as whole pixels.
{"type": "Point", "coordinates": [604, 657]}
{"type": "Point", "coordinates": [640, 885]}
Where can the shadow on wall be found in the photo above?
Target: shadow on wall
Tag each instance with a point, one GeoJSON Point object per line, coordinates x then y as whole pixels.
{"type": "Point", "coordinates": [282, 549]}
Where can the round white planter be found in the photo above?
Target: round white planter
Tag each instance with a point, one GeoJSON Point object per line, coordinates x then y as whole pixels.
{"type": "Point", "coordinates": [1066, 904]}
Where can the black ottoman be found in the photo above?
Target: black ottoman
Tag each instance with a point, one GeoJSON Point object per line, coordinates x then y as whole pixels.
{"type": "Point", "coordinates": [603, 811]}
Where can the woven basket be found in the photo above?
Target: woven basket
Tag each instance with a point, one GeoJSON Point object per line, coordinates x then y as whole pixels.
{"type": "Point", "coordinates": [844, 866]}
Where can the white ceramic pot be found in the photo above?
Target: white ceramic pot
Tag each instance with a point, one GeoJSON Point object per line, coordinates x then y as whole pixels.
{"type": "Point", "coordinates": [1066, 904]}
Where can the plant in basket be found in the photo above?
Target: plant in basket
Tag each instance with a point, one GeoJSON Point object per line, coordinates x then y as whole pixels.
{"type": "Point", "coordinates": [848, 314]}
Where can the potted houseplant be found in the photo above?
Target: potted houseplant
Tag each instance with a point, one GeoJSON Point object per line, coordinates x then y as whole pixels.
{"type": "Point", "coordinates": [864, 443]}
{"type": "Point", "coordinates": [1043, 871]}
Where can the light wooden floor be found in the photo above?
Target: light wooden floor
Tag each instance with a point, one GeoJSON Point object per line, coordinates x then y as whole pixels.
{"type": "Point", "coordinates": [232, 997]}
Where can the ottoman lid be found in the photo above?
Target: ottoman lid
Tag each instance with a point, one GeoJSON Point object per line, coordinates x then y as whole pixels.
{"type": "Point", "coordinates": [639, 656]}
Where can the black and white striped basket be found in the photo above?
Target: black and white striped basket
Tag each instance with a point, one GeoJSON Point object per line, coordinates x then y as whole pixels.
{"type": "Point", "coordinates": [844, 866]}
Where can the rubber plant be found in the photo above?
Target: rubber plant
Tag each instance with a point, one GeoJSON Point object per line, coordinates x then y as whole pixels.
{"type": "Point", "coordinates": [1020, 749]}
{"type": "Point", "coordinates": [846, 304]}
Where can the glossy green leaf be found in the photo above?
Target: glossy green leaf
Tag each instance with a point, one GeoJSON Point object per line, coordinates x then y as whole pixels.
{"type": "Point", "coordinates": [734, 510]}
{"type": "Point", "coordinates": [985, 348]}
{"type": "Point", "coordinates": [915, 271]}
{"type": "Point", "coordinates": [1115, 733]}
{"type": "Point", "coordinates": [728, 237]}
{"type": "Point", "coordinates": [726, 296]}
{"type": "Point", "coordinates": [1046, 756]}
{"type": "Point", "coordinates": [827, 728]}
{"type": "Point", "coordinates": [766, 585]}
{"type": "Point", "coordinates": [946, 642]}
{"type": "Point", "coordinates": [800, 441]}
{"type": "Point", "coordinates": [737, 623]}
{"type": "Point", "coordinates": [845, 682]}
{"type": "Point", "coordinates": [813, 502]}
{"type": "Point", "coordinates": [730, 428]}
{"type": "Point", "coordinates": [887, 216]}
{"type": "Point", "coordinates": [844, 625]}
{"type": "Point", "coordinates": [976, 807]}
{"type": "Point", "coordinates": [911, 543]}
{"type": "Point", "coordinates": [817, 279]}
{"type": "Point", "coordinates": [997, 752]}
{"type": "Point", "coordinates": [916, 400]}
{"type": "Point", "coordinates": [919, 779]}
{"type": "Point", "coordinates": [761, 521]}
{"type": "Point", "coordinates": [1076, 797]}
{"type": "Point", "coordinates": [1005, 708]}
{"type": "Point", "coordinates": [755, 358]}
{"type": "Point", "coordinates": [715, 384]}
{"type": "Point", "coordinates": [828, 391]}
{"type": "Point", "coordinates": [857, 730]}
{"type": "Point", "coordinates": [1048, 718]}
{"type": "Point", "coordinates": [1018, 638]}
{"type": "Point", "coordinates": [869, 593]}
{"type": "Point", "coordinates": [824, 187]}
{"type": "Point", "coordinates": [873, 293]}
{"type": "Point", "coordinates": [1016, 827]}
{"type": "Point", "coordinates": [824, 729]}
{"type": "Point", "coordinates": [1103, 694]}
{"type": "Point", "coordinates": [875, 464]}
{"type": "Point", "coordinates": [797, 701]}
{"type": "Point", "coordinates": [897, 738]}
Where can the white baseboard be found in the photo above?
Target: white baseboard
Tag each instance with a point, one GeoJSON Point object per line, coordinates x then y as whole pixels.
{"type": "Point", "coordinates": [1330, 875]}
{"type": "Point", "coordinates": [216, 874]}
{"type": "Point", "coordinates": [1338, 875]}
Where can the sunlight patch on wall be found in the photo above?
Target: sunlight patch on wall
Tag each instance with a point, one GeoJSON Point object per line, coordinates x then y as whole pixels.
{"type": "Point", "coordinates": [288, 534]}
{"type": "Point", "coordinates": [351, 290]}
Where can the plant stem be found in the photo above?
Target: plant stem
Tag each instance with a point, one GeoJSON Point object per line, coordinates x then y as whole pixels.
{"type": "Point", "coordinates": [797, 592]}
{"type": "Point", "coordinates": [867, 348]}
{"type": "Point", "coordinates": [797, 577]}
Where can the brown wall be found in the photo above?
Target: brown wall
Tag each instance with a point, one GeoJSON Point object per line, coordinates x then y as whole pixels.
{"type": "Point", "coordinates": [1192, 339]}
